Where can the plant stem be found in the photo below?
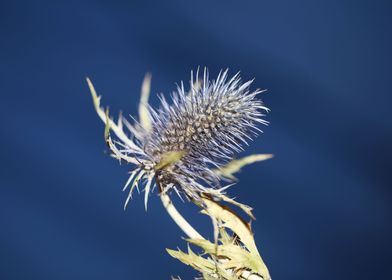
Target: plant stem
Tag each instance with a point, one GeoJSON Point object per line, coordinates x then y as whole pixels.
{"type": "Point", "coordinates": [178, 218]}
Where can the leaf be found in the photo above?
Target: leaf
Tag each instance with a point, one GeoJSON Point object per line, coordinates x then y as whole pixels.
{"type": "Point", "coordinates": [247, 209]}
{"type": "Point", "coordinates": [168, 159]}
{"type": "Point", "coordinates": [235, 165]}
{"type": "Point", "coordinates": [238, 226]}
{"type": "Point", "coordinates": [116, 128]}
{"type": "Point", "coordinates": [144, 115]}
{"type": "Point", "coordinates": [228, 259]}
{"type": "Point", "coordinates": [225, 238]}
{"type": "Point", "coordinates": [197, 262]}
{"type": "Point", "coordinates": [207, 267]}
{"type": "Point", "coordinates": [238, 257]}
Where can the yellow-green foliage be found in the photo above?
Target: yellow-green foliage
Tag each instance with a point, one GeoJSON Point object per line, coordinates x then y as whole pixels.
{"type": "Point", "coordinates": [235, 165]}
{"type": "Point", "coordinates": [232, 255]}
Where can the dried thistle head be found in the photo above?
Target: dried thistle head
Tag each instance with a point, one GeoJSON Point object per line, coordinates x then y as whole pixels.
{"type": "Point", "coordinates": [181, 145]}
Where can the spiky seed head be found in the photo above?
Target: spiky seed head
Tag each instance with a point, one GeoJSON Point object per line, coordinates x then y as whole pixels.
{"type": "Point", "coordinates": [209, 124]}
{"type": "Point", "coordinates": [206, 126]}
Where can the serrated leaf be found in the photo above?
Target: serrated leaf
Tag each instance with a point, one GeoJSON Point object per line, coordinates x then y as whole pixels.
{"type": "Point", "coordinates": [230, 220]}
{"type": "Point", "coordinates": [239, 258]}
{"type": "Point", "coordinates": [247, 209]}
{"type": "Point", "coordinates": [207, 267]}
{"type": "Point", "coordinates": [197, 262]}
{"type": "Point", "coordinates": [235, 224]}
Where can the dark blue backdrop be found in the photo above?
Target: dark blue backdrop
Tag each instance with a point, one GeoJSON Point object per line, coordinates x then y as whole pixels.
{"type": "Point", "coordinates": [323, 203]}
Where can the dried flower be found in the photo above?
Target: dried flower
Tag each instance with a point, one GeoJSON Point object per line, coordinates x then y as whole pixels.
{"type": "Point", "coordinates": [188, 147]}
{"type": "Point", "coordinates": [181, 145]}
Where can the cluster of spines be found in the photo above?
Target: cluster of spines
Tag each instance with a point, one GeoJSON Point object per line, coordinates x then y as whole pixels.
{"type": "Point", "coordinates": [208, 123]}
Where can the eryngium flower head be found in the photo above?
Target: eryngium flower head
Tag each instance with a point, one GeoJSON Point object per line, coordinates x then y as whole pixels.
{"type": "Point", "coordinates": [206, 125]}
{"type": "Point", "coordinates": [209, 123]}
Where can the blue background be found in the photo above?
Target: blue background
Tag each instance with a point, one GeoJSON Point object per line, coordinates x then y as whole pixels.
{"type": "Point", "coordinates": [323, 204]}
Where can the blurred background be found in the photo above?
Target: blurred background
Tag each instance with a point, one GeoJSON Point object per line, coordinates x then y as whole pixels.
{"type": "Point", "coordinates": [323, 203]}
